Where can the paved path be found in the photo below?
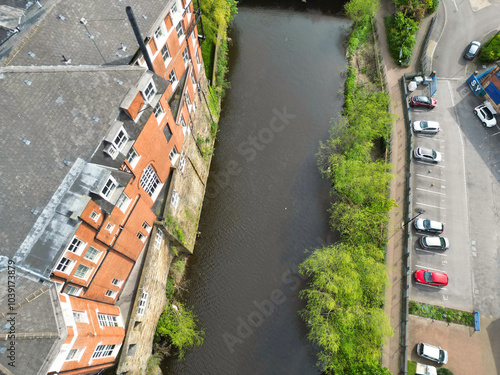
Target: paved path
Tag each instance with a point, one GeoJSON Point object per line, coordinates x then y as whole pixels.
{"type": "Point", "coordinates": [391, 355]}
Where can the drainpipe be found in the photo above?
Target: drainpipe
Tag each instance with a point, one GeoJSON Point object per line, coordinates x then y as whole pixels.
{"type": "Point", "coordinates": [139, 38]}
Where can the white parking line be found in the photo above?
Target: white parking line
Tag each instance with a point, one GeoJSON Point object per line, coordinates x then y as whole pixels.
{"type": "Point", "coordinates": [419, 135]}
{"type": "Point", "coordinates": [432, 178]}
{"type": "Point", "coordinates": [432, 286]}
{"type": "Point", "coordinates": [431, 252]}
{"type": "Point", "coordinates": [494, 134]}
{"type": "Point", "coordinates": [430, 191]}
{"type": "Point", "coordinates": [429, 163]}
{"type": "Point", "coordinates": [429, 205]}
{"type": "Point", "coordinates": [428, 268]}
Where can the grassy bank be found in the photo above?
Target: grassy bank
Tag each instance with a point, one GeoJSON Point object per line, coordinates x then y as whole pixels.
{"type": "Point", "coordinates": [347, 281]}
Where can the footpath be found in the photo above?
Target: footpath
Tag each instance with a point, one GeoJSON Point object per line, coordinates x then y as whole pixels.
{"type": "Point", "coordinates": [395, 257]}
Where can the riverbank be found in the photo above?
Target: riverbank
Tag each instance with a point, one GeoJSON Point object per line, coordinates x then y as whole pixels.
{"type": "Point", "coordinates": [344, 310]}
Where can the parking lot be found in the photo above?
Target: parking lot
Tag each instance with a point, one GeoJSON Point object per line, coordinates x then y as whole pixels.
{"type": "Point", "coordinates": [463, 192]}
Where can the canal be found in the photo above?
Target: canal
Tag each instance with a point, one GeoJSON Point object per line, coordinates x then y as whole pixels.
{"type": "Point", "coordinates": [266, 202]}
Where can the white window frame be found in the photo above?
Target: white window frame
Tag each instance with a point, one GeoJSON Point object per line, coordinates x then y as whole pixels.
{"type": "Point", "coordinates": [77, 355]}
{"type": "Point", "coordinates": [141, 308]}
{"type": "Point", "coordinates": [180, 31]}
{"type": "Point", "coordinates": [110, 227]}
{"type": "Point", "coordinates": [169, 57]}
{"type": "Point", "coordinates": [106, 320]}
{"type": "Point", "coordinates": [78, 290]}
{"type": "Point", "coordinates": [146, 227]}
{"type": "Point", "coordinates": [133, 157]}
{"type": "Point", "coordinates": [158, 112]}
{"type": "Point", "coordinates": [123, 202]}
{"type": "Point", "coordinates": [158, 239]}
{"type": "Point", "coordinates": [175, 199]}
{"type": "Point", "coordinates": [88, 271]}
{"type": "Point", "coordinates": [111, 188]}
{"type": "Point", "coordinates": [176, 81]}
{"type": "Point", "coordinates": [197, 56]}
{"type": "Point", "coordinates": [102, 351]}
{"type": "Point", "coordinates": [185, 56]}
{"type": "Point", "coordinates": [76, 246]}
{"type": "Point", "coordinates": [117, 282]}
{"type": "Point", "coordinates": [174, 9]}
{"type": "Point", "coordinates": [121, 139]}
{"type": "Point", "coordinates": [173, 154]}
{"type": "Point", "coordinates": [94, 256]}
{"type": "Point", "coordinates": [193, 36]}
{"type": "Point", "coordinates": [66, 265]}
{"type": "Point", "coordinates": [110, 293]}
{"type": "Point", "coordinates": [80, 317]}
{"type": "Point", "coordinates": [183, 124]}
{"type": "Point", "coordinates": [182, 163]}
{"type": "Point", "coordinates": [141, 236]}
{"type": "Point", "coordinates": [94, 216]}
{"type": "Point", "coordinates": [149, 95]}
{"type": "Point", "coordinates": [150, 181]}
{"type": "Point", "coordinates": [193, 79]}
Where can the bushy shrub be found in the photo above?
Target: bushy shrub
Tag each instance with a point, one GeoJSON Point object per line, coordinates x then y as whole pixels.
{"type": "Point", "coordinates": [432, 6]}
{"type": "Point", "coordinates": [491, 50]}
{"type": "Point", "coordinates": [444, 371]}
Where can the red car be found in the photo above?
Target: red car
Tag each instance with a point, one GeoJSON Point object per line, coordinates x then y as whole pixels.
{"type": "Point", "coordinates": [431, 278]}
{"type": "Point", "coordinates": [422, 101]}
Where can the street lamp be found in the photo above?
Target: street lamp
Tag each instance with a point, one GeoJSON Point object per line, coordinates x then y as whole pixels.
{"type": "Point", "coordinates": [420, 212]}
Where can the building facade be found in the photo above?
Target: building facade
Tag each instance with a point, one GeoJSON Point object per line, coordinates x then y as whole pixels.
{"type": "Point", "coordinates": [92, 140]}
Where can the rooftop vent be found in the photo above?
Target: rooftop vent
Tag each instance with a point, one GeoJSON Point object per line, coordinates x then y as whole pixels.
{"type": "Point", "coordinates": [83, 21]}
{"type": "Point", "coordinates": [95, 118]}
{"type": "Point", "coordinates": [91, 36]}
{"type": "Point", "coordinates": [31, 54]}
{"type": "Point", "coordinates": [28, 82]}
{"type": "Point", "coordinates": [67, 162]}
{"type": "Point", "coordinates": [34, 211]}
{"type": "Point", "coordinates": [26, 141]}
{"type": "Point", "coordinates": [144, 16]}
{"type": "Point", "coordinates": [123, 47]}
{"type": "Point", "coordinates": [61, 17]}
{"type": "Point", "coordinates": [119, 82]}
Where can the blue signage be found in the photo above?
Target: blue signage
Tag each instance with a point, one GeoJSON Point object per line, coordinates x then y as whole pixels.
{"type": "Point", "coordinates": [474, 84]}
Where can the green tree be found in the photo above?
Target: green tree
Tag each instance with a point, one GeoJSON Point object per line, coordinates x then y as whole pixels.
{"type": "Point", "coordinates": [344, 296]}
{"type": "Point", "coordinates": [179, 327]}
{"type": "Point", "coordinates": [444, 371]}
{"type": "Point", "coordinates": [359, 10]}
{"type": "Point", "coordinates": [491, 50]}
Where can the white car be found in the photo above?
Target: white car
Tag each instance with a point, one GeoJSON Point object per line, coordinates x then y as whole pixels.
{"type": "Point", "coordinates": [427, 154]}
{"type": "Point", "coordinates": [434, 243]}
{"type": "Point", "coordinates": [432, 352]}
{"type": "Point", "coordinates": [431, 226]}
{"type": "Point", "coordinates": [429, 127]}
{"type": "Point", "coordinates": [485, 115]}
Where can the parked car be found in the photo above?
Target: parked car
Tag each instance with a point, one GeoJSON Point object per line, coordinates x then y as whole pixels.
{"type": "Point", "coordinates": [427, 154]}
{"type": "Point", "coordinates": [472, 50]}
{"type": "Point", "coordinates": [434, 243]}
{"type": "Point", "coordinates": [431, 278]}
{"type": "Point", "coordinates": [432, 352]}
{"type": "Point", "coordinates": [485, 115]}
{"type": "Point", "coordinates": [431, 226]}
{"type": "Point", "coordinates": [422, 101]}
{"type": "Point", "coordinates": [428, 127]}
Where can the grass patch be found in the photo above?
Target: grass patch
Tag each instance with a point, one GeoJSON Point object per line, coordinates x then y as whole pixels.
{"type": "Point", "coordinates": [442, 313]}
{"type": "Point", "coordinates": [411, 368]}
{"type": "Point", "coordinates": [175, 228]}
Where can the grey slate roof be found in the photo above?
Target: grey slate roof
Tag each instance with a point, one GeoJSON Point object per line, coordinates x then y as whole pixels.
{"type": "Point", "coordinates": [50, 115]}
{"type": "Point", "coordinates": [98, 41]}
{"type": "Point", "coordinates": [39, 326]}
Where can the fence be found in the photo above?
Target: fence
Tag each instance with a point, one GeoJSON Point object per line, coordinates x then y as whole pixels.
{"type": "Point", "coordinates": [426, 59]}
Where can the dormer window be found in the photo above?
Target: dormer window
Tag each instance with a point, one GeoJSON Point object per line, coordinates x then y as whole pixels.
{"type": "Point", "coordinates": [173, 10]}
{"type": "Point", "coordinates": [150, 91]}
{"type": "Point", "coordinates": [109, 188]}
{"type": "Point", "coordinates": [120, 139]}
{"type": "Point", "coordinates": [158, 33]}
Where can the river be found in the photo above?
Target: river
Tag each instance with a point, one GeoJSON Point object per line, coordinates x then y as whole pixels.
{"type": "Point", "coordinates": [266, 202]}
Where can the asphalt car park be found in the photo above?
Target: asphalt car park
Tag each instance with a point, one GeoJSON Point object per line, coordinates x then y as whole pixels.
{"type": "Point", "coordinates": [438, 191]}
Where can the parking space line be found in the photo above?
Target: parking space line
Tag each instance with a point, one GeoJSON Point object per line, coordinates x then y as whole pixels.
{"type": "Point", "coordinates": [430, 252]}
{"type": "Point", "coordinates": [430, 191]}
{"type": "Point", "coordinates": [429, 163]}
{"type": "Point", "coordinates": [429, 205]}
{"type": "Point", "coordinates": [432, 286]}
{"type": "Point", "coordinates": [494, 134]}
{"type": "Point", "coordinates": [432, 165]}
{"type": "Point", "coordinates": [429, 177]}
{"type": "Point", "coordinates": [429, 268]}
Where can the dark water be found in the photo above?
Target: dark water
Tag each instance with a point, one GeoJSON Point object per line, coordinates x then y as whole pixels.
{"type": "Point", "coordinates": [266, 202]}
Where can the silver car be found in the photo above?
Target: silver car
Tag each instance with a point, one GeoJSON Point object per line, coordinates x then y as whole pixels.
{"type": "Point", "coordinates": [434, 243]}
{"type": "Point", "coordinates": [431, 226]}
{"type": "Point", "coordinates": [429, 127]}
{"type": "Point", "coordinates": [427, 154]}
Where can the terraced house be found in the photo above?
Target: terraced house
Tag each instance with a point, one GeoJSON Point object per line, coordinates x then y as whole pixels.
{"type": "Point", "coordinates": [93, 131]}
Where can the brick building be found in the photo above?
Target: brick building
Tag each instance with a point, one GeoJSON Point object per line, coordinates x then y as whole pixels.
{"type": "Point", "coordinates": [91, 140]}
